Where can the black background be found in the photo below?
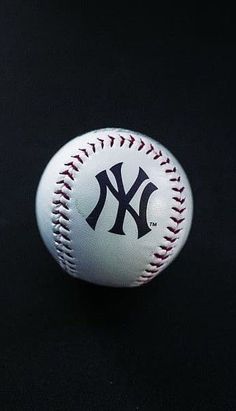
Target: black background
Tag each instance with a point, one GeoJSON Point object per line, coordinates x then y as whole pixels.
{"type": "Point", "coordinates": [67, 345]}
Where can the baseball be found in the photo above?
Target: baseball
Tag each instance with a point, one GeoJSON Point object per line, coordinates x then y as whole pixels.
{"type": "Point", "coordinates": [114, 207]}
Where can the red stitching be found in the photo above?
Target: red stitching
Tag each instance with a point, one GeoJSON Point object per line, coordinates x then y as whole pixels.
{"type": "Point", "coordinates": [68, 174]}
{"type": "Point", "coordinates": [178, 210]}
{"type": "Point", "coordinates": [175, 179]}
{"type": "Point", "coordinates": [112, 140]}
{"type": "Point", "coordinates": [170, 239]}
{"type": "Point", "coordinates": [156, 264]}
{"type": "Point", "coordinates": [131, 141]}
{"type": "Point", "coordinates": [69, 255]}
{"type": "Point", "coordinates": [78, 158]}
{"type": "Point", "coordinates": [122, 141]}
{"type": "Point", "coordinates": [101, 141]}
{"type": "Point", "coordinates": [84, 151]}
{"type": "Point", "coordinates": [63, 194]}
{"type": "Point", "coordinates": [179, 200]}
{"type": "Point", "coordinates": [61, 204]}
{"type": "Point", "coordinates": [166, 248]}
{"type": "Point", "coordinates": [157, 155]}
{"type": "Point", "coordinates": [61, 221]}
{"type": "Point", "coordinates": [72, 165]}
{"type": "Point", "coordinates": [173, 170]}
{"type": "Point", "coordinates": [63, 225]}
{"type": "Point", "coordinates": [149, 271]}
{"type": "Point", "coordinates": [178, 190]}
{"type": "Point", "coordinates": [150, 149]}
{"type": "Point", "coordinates": [67, 186]}
{"type": "Point", "coordinates": [142, 144]}
{"type": "Point", "coordinates": [93, 147]}
{"type": "Point", "coordinates": [165, 162]}
{"type": "Point", "coordinates": [64, 236]}
{"type": "Point", "coordinates": [174, 230]}
{"type": "Point", "coordinates": [68, 247]}
{"type": "Point", "coordinates": [161, 256]}
{"type": "Point", "coordinates": [56, 212]}
{"type": "Point", "coordinates": [176, 220]}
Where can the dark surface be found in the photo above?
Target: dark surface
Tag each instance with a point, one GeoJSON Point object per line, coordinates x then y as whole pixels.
{"type": "Point", "coordinates": [68, 345]}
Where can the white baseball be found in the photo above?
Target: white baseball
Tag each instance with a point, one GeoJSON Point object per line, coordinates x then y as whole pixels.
{"type": "Point", "coordinates": [114, 207]}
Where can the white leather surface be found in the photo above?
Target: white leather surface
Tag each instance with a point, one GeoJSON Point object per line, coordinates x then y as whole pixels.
{"type": "Point", "coordinates": [100, 256]}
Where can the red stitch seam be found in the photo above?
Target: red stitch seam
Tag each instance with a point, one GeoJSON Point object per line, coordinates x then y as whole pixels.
{"type": "Point", "coordinates": [150, 149]}
{"type": "Point", "coordinates": [131, 141]}
{"type": "Point", "coordinates": [142, 144]}
{"type": "Point", "coordinates": [93, 147]}
{"type": "Point", "coordinates": [61, 199]}
{"type": "Point", "coordinates": [112, 139]}
{"type": "Point", "coordinates": [60, 220]}
{"type": "Point", "coordinates": [122, 141]}
{"type": "Point", "coordinates": [178, 219]}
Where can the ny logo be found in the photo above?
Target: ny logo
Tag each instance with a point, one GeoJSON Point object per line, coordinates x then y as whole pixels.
{"type": "Point", "coordinates": [123, 200]}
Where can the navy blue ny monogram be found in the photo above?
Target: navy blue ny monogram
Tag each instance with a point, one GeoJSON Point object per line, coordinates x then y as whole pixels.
{"type": "Point", "coordinates": [123, 200]}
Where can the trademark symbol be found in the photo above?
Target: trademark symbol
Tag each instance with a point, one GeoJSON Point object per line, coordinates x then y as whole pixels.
{"type": "Point", "coordinates": [153, 224]}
